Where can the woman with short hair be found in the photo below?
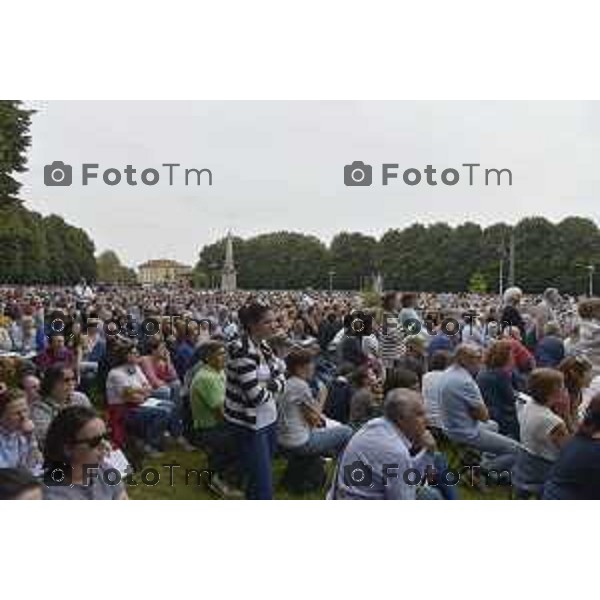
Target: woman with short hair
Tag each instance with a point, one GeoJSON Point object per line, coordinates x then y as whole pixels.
{"type": "Point", "coordinates": [254, 379]}
{"type": "Point", "coordinates": [57, 391]}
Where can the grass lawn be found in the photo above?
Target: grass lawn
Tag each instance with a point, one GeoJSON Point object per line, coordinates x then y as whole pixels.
{"type": "Point", "coordinates": [197, 460]}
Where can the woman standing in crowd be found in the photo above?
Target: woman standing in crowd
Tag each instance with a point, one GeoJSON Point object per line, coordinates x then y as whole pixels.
{"type": "Point", "coordinates": [511, 317]}
{"type": "Point", "coordinates": [576, 475]}
{"type": "Point", "coordinates": [253, 380]}
{"type": "Point", "coordinates": [78, 438]}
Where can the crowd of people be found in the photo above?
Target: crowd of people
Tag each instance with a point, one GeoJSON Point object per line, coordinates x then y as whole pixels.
{"type": "Point", "coordinates": [351, 390]}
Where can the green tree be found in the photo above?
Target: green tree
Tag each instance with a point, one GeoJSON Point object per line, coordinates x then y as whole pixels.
{"type": "Point", "coordinates": [352, 256]}
{"type": "Point", "coordinates": [477, 283]}
{"type": "Point", "coordinates": [110, 270]}
{"type": "Point", "coordinates": [14, 141]}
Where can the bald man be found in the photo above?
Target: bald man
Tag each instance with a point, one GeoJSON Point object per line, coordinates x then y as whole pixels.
{"type": "Point", "coordinates": [386, 458]}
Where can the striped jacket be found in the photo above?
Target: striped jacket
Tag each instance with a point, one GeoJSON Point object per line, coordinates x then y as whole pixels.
{"type": "Point", "coordinates": [247, 402]}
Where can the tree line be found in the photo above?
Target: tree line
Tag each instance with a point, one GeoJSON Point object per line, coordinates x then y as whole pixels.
{"type": "Point", "coordinates": [434, 257]}
{"type": "Point", "coordinates": [33, 248]}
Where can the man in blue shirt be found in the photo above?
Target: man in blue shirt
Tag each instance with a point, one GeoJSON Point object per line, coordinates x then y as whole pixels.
{"type": "Point", "coordinates": [464, 413]}
{"type": "Point", "coordinates": [388, 456]}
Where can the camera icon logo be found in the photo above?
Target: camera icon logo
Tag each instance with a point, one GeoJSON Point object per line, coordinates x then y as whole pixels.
{"type": "Point", "coordinates": [358, 173]}
{"type": "Point", "coordinates": [358, 474]}
{"type": "Point", "coordinates": [58, 173]}
{"type": "Point", "coordinates": [358, 324]}
{"type": "Point", "coordinates": [58, 474]}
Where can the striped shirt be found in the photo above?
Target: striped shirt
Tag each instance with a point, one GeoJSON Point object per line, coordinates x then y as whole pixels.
{"type": "Point", "coordinates": [254, 378]}
{"type": "Point", "coordinates": [391, 345]}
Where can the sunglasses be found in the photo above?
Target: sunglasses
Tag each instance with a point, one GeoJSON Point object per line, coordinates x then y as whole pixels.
{"type": "Point", "coordinates": [94, 442]}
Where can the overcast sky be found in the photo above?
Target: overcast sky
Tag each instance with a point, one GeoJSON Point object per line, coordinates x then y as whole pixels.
{"type": "Point", "coordinates": [279, 165]}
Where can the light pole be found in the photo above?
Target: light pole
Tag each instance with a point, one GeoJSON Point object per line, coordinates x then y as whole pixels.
{"type": "Point", "coordinates": [331, 275]}
{"type": "Point", "coordinates": [591, 269]}
{"type": "Point", "coordinates": [501, 268]}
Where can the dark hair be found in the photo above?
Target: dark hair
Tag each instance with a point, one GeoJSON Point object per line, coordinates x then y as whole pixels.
{"type": "Point", "coordinates": [52, 376]}
{"type": "Point", "coordinates": [360, 376]}
{"type": "Point", "coordinates": [63, 430]}
{"type": "Point", "coordinates": [211, 347]}
{"type": "Point", "coordinates": [121, 351]}
{"type": "Point", "coordinates": [543, 382]}
{"type": "Point", "coordinates": [153, 343]}
{"type": "Point", "coordinates": [439, 360]}
{"type": "Point", "coordinates": [400, 378]}
{"type": "Point", "coordinates": [298, 357]}
{"type": "Point", "coordinates": [14, 482]}
{"type": "Point", "coordinates": [388, 300]}
{"type": "Point", "coordinates": [10, 396]}
{"type": "Point", "coordinates": [251, 314]}
{"type": "Point", "coordinates": [591, 418]}
{"type": "Point", "coordinates": [408, 299]}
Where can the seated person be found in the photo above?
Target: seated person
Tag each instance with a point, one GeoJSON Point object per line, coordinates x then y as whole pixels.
{"type": "Point", "coordinates": [576, 474]}
{"type": "Point", "coordinates": [365, 402]}
{"type": "Point", "coordinates": [6, 344]}
{"type": "Point", "coordinates": [495, 383]}
{"type": "Point", "coordinates": [207, 398]}
{"type": "Point", "coordinates": [400, 377]}
{"type": "Point", "coordinates": [577, 371]}
{"type": "Point", "coordinates": [78, 439]}
{"type": "Point", "coordinates": [26, 337]}
{"type": "Point", "coordinates": [127, 389]}
{"type": "Point", "coordinates": [31, 386]}
{"type": "Point", "coordinates": [18, 445]}
{"type": "Point", "coordinates": [550, 350]}
{"type": "Point", "coordinates": [431, 387]}
{"type": "Point", "coordinates": [301, 427]}
{"type": "Point", "coordinates": [415, 358]}
{"type": "Point", "coordinates": [543, 432]}
{"type": "Point", "coordinates": [184, 346]}
{"type": "Point", "coordinates": [93, 351]}
{"type": "Point", "coordinates": [159, 371]}
{"type": "Point", "coordinates": [383, 450]}
{"type": "Point", "coordinates": [523, 360]}
{"type": "Point", "coordinates": [55, 353]}
{"type": "Point", "coordinates": [56, 392]}
{"type": "Point", "coordinates": [19, 484]}
{"type": "Point", "coordinates": [465, 416]}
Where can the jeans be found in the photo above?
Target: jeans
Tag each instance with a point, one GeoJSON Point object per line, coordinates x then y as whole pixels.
{"type": "Point", "coordinates": [148, 423]}
{"type": "Point", "coordinates": [325, 440]}
{"type": "Point", "coordinates": [446, 492]}
{"type": "Point", "coordinates": [503, 450]}
{"type": "Point", "coordinates": [220, 446]}
{"type": "Point", "coordinates": [255, 451]}
{"type": "Point", "coordinates": [170, 395]}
